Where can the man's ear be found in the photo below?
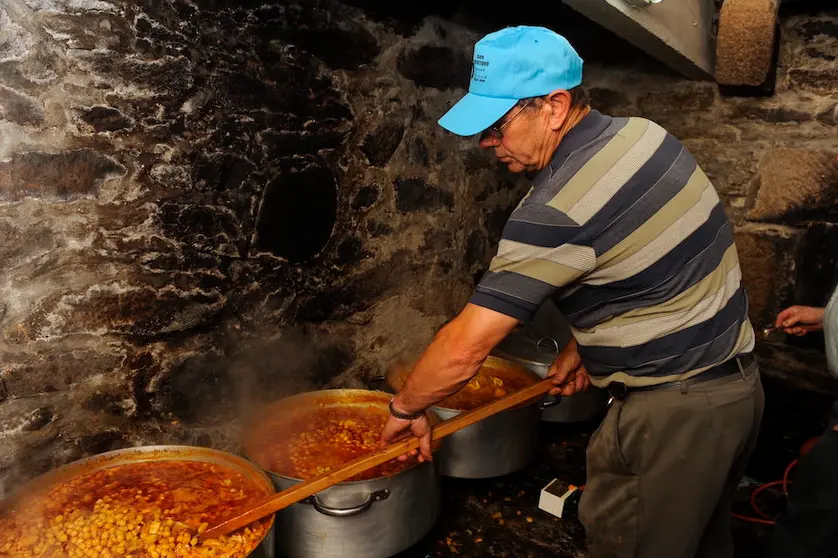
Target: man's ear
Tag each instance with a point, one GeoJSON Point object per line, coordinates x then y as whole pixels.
{"type": "Point", "coordinates": [560, 107]}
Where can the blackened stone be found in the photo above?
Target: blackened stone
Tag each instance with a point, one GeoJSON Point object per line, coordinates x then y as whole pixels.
{"type": "Point", "coordinates": [814, 52]}
{"type": "Point", "coordinates": [65, 176]}
{"type": "Point", "coordinates": [816, 271]}
{"type": "Point", "coordinates": [106, 119]}
{"type": "Point", "coordinates": [475, 248]}
{"type": "Point", "coordinates": [477, 276]}
{"type": "Point", "coordinates": [94, 444]}
{"type": "Point", "coordinates": [380, 145]}
{"type": "Point", "coordinates": [496, 221]}
{"type": "Point", "coordinates": [38, 419]}
{"type": "Point", "coordinates": [199, 224]}
{"type": "Point", "coordinates": [379, 229]}
{"type": "Point", "coordinates": [667, 103]}
{"type": "Point", "coordinates": [770, 114]}
{"type": "Point", "coordinates": [476, 159]}
{"type": "Point", "coordinates": [172, 74]}
{"type": "Point", "coordinates": [337, 48]}
{"type": "Point", "coordinates": [609, 101]}
{"type": "Point", "coordinates": [365, 198]}
{"type": "Point", "coordinates": [223, 173]}
{"type": "Point", "coordinates": [413, 194]}
{"type": "Point", "coordinates": [817, 80]}
{"type": "Point", "coordinates": [20, 109]}
{"type": "Point", "coordinates": [418, 152]}
{"type": "Point", "coordinates": [435, 66]}
{"type": "Point", "coordinates": [298, 213]}
{"type": "Point", "coordinates": [140, 311]}
{"type": "Point", "coordinates": [349, 251]}
{"type": "Point", "coordinates": [195, 386]}
{"type": "Point", "coordinates": [403, 17]}
{"type": "Point", "coordinates": [106, 403]}
{"type": "Point", "coordinates": [828, 116]}
{"type": "Point", "coordinates": [812, 28]}
{"type": "Point", "coordinates": [331, 361]}
{"type": "Point", "coordinates": [436, 240]}
{"type": "Point", "coordinates": [768, 257]}
{"type": "Point", "coordinates": [343, 300]}
{"type": "Point", "coordinates": [291, 142]}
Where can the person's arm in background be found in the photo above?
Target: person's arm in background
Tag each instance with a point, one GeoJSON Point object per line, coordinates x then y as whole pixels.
{"type": "Point", "coordinates": [800, 320]}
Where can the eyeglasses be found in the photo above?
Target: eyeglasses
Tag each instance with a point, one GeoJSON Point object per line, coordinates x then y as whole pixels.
{"type": "Point", "coordinates": [496, 129]}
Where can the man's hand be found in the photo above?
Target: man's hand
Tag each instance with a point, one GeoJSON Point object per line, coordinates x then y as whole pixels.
{"type": "Point", "coordinates": [800, 320]}
{"type": "Point", "coordinates": [568, 372]}
{"type": "Point", "coordinates": [398, 429]}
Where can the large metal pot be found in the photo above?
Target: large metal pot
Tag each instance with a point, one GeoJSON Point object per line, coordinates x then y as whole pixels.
{"type": "Point", "coordinates": [373, 518]}
{"type": "Point", "coordinates": [537, 355]}
{"type": "Point", "coordinates": [152, 453]}
{"type": "Point", "coordinates": [495, 446]}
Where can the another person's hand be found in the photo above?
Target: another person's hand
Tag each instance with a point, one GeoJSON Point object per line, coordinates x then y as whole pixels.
{"type": "Point", "coordinates": [568, 372]}
{"type": "Point", "coordinates": [398, 429]}
{"type": "Point", "coordinates": [800, 320]}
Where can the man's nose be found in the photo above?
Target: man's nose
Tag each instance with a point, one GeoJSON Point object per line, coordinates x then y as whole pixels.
{"type": "Point", "coordinates": [488, 141]}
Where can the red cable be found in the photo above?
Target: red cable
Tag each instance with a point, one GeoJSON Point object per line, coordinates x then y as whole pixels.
{"type": "Point", "coordinates": [786, 477]}
{"type": "Point", "coordinates": [764, 518]}
{"type": "Point", "coordinates": [752, 519]}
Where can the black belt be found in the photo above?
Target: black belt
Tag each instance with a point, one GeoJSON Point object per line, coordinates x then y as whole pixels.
{"type": "Point", "coordinates": [619, 390]}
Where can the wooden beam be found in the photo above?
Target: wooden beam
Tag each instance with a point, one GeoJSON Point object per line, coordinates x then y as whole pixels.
{"type": "Point", "coordinates": [679, 33]}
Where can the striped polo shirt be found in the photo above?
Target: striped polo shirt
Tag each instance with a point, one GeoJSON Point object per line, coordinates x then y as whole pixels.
{"type": "Point", "coordinates": [627, 234]}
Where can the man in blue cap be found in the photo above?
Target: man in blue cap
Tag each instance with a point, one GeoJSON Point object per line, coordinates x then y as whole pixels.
{"type": "Point", "coordinates": [623, 230]}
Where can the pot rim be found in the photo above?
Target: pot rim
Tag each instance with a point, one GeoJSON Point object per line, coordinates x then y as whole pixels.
{"type": "Point", "coordinates": [145, 454]}
{"type": "Point", "coordinates": [433, 417]}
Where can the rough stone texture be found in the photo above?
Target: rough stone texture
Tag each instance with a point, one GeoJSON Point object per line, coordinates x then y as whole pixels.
{"type": "Point", "coordinates": [207, 205]}
{"type": "Point", "coordinates": [767, 255]}
{"type": "Point", "coordinates": [794, 184]}
{"type": "Point", "coordinates": [204, 205]}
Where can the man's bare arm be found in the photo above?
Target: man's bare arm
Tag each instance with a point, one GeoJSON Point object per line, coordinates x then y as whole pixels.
{"type": "Point", "coordinates": [453, 357]}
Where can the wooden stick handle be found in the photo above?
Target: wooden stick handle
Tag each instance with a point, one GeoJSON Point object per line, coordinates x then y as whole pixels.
{"type": "Point", "coordinates": [314, 485]}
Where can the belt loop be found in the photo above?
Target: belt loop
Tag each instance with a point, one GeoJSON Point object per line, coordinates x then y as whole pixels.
{"type": "Point", "coordinates": [685, 387]}
{"type": "Point", "coordinates": [741, 368]}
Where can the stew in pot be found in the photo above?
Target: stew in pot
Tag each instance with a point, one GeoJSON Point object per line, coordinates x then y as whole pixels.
{"type": "Point", "coordinates": [305, 443]}
{"type": "Point", "coordinates": [148, 509]}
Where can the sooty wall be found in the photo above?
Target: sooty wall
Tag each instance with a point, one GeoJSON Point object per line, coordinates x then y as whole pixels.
{"type": "Point", "coordinates": [205, 204]}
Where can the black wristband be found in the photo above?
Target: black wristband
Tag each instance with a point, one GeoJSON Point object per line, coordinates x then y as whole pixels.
{"type": "Point", "coordinates": [403, 416]}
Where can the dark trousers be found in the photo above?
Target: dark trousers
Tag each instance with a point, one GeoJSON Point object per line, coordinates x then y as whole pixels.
{"type": "Point", "coordinates": [809, 528]}
{"type": "Point", "coordinates": [662, 468]}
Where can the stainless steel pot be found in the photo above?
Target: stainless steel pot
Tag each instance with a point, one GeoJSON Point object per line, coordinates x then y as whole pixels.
{"type": "Point", "coordinates": [373, 518]}
{"type": "Point", "coordinates": [266, 548]}
{"type": "Point", "coordinates": [537, 355]}
{"type": "Point", "coordinates": [495, 446]}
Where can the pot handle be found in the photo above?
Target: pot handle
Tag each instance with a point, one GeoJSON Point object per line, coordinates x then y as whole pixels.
{"type": "Point", "coordinates": [551, 341]}
{"type": "Point", "coordinates": [550, 401]}
{"type": "Point", "coordinates": [348, 512]}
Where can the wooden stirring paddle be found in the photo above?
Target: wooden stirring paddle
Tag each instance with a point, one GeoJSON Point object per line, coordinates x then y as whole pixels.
{"type": "Point", "coordinates": [314, 485]}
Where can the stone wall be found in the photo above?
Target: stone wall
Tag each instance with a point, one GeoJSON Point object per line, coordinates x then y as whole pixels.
{"type": "Point", "coordinates": [206, 204]}
{"type": "Point", "coordinates": [203, 205]}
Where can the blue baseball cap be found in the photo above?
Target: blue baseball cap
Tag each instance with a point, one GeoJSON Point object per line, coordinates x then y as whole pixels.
{"type": "Point", "coordinates": [509, 65]}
